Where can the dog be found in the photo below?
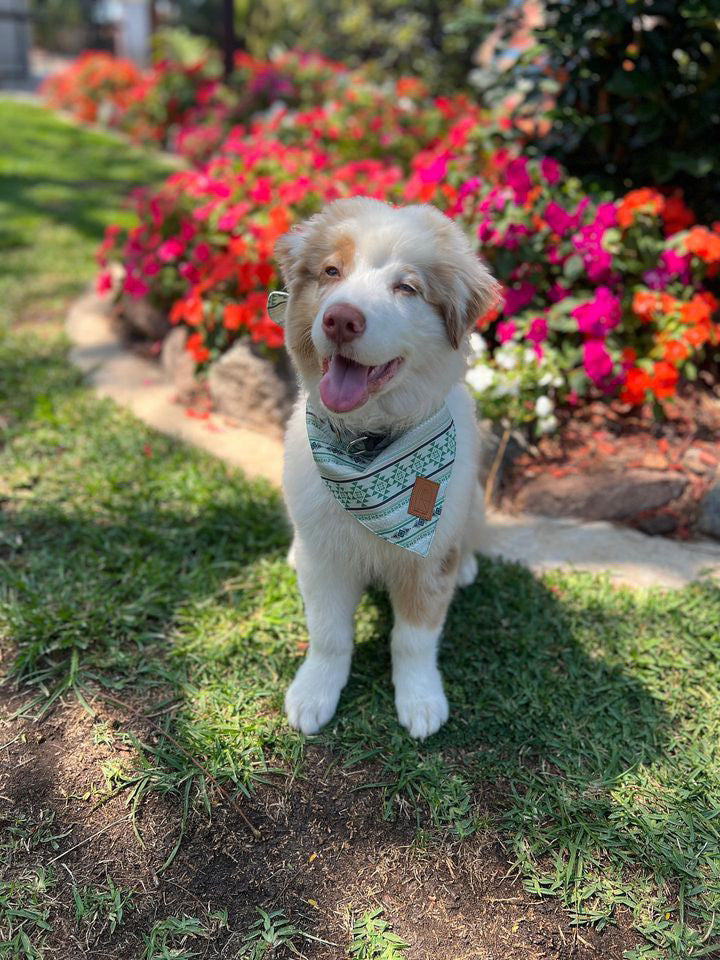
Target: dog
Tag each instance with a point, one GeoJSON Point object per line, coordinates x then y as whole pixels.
{"type": "Point", "coordinates": [380, 301]}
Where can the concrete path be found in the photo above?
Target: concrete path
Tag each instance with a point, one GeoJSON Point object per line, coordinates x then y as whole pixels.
{"type": "Point", "coordinates": [541, 543]}
{"type": "Point", "coordinates": [139, 385]}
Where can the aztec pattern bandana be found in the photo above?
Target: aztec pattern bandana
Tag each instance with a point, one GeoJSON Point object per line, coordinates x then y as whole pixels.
{"type": "Point", "coordinates": [395, 488]}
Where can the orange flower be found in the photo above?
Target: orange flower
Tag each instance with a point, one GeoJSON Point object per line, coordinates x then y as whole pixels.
{"type": "Point", "coordinates": [696, 311]}
{"type": "Point", "coordinates": [676, 352]}
{"type": "Point", "coordinates": [699, 335]}
{"type": "Point", "coordinates": [235, 316]}
{"type": "Point", "coordinates": [704, 243]}
{"type": "Point", "coordinates": [645, 303]}
{"type": "Point", "coordinates": [644, 200]}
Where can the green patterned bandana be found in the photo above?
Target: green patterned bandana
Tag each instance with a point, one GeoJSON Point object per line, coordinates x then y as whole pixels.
{"type": "Point", "coordinates": [395, 488]}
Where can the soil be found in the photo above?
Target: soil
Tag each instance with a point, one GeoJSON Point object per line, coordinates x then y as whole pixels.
{"type": "Point", "coordinates": [324, 853]}
{"type": "Point", "coordinates": [604, 440]}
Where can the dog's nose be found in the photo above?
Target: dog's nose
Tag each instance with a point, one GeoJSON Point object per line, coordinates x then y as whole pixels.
{"type": "Point", "coordinates": [342, 322]}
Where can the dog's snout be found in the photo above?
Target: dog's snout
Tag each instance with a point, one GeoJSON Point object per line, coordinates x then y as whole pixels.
{"type": "Point", "coordinates": [342, 322]}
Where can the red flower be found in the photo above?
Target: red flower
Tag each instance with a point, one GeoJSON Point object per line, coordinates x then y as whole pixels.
{"type": "Point", "coordinates": [197, 348]}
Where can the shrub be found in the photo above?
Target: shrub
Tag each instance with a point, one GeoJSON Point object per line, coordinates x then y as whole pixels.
{"type": "Point", "coordinates": [637, 97]}
{"type": "Point", "coordinates": [93, 87]}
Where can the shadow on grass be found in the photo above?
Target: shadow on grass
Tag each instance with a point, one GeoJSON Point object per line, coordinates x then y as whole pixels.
{"type": "Point", "coordinates": [137, 564]}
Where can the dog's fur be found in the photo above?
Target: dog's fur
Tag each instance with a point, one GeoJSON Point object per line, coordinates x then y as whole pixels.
{"type": "Point", "coordinates": [374, 248]}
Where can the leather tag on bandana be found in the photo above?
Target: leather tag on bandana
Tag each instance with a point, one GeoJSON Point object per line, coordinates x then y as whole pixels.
{"type": "Point", "coordinates": [422, 500]}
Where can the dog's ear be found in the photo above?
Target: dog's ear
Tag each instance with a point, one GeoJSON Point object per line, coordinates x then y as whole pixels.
{"type": "Point", "coordinates": [458, 282]}
{"type": "Point", "coordinates": [472, 292]}
{"type": "Point", "coordinates": [289, 250]}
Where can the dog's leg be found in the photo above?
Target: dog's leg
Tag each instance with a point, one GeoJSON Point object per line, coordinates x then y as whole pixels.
{"type": "Point", "coordinates": [420, 598]}
{"type": "Point", "coordinates": [331, 592]}
{"type": "Point", "coordinates": [472, 541]}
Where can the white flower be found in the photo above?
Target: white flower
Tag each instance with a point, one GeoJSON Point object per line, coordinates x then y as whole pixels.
{"type": "Point", "coordinates": [530, 357]}
{"type": "Point", "coordinates": [547, 424]}
{"type": "Point", "coordinates": [545, 380]}
{"type": "Point", "coordinates": [506, 388]}
{"type": "Point", "coordinates": [480, 377]}
{"type": "Point", "coordinates": [543, 407]}
{"type": "Point", "coordinates": [477, 344]}
{"type": "Point", "coordinates": [506, 358]}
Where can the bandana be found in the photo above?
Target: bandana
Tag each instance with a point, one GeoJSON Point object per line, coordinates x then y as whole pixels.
{"type": "Point", "coordinates": [393, 487]}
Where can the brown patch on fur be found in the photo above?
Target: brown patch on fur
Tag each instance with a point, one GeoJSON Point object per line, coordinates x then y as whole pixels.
{"type": "Point", "coordinates": [457, 281]}
{"type": "Point", "coordinates": [303, 254]}
{"type": "Point", "coordinates": [449, 562]}
{"type": "Point", "coordinates": [419, 595]}
{"type": "Point", "coordinates": [298, 327]}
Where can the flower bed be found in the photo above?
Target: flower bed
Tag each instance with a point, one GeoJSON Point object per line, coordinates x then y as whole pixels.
{"type": "Point", "coordinates": [604, 297]}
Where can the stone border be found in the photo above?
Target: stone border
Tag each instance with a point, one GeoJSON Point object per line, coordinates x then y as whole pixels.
{"type": "Point", "coordinates": [541, 543]}
{"type": "Point", "coordinates": [140, 385]}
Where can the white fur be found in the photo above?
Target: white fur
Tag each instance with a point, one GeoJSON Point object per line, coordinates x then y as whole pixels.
{"type": "Point", "coordinates": [335, 556]}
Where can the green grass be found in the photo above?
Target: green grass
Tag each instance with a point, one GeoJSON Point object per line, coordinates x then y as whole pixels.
{"type": "Point", "coordinates": [589, 715]}
{"type": "Point", "coordinates": [60, 186]}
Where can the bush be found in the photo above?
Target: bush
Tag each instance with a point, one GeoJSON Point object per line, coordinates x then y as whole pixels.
{"type": "Point", "coordinates": [604, 296]}
{"type": "Point", "coordinates": [637, 93]}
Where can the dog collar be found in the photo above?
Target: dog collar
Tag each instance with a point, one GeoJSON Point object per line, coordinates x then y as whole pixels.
{"type": "Point", "coordinates": [394, 486]}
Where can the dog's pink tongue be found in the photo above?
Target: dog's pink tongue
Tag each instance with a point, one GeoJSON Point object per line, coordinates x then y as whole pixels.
{"type": "Point", "coordinates": [345, 385]}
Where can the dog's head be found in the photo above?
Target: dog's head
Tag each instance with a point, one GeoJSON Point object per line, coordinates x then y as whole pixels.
{"type": "Point", "coordinates": [381, 299]}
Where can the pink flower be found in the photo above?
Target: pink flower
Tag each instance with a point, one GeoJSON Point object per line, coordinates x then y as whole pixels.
{"type": "Point", "coordinates": [104, 282]}
{"type": "Point", "coordinates": [557, 219]}
{"type": "Point", "coordinates": [150, 268]}
{"type": "Point", "coordinates": [505, 331]}
{"type": "Point", "coordinates": [518, 297]}
{"type": "Point", "coordinates": [597, 361]}
{"type": "Point", "coordinates": [513, 235]}
{"type": "Point", "coordinates": [538, 330]}
{"type": "Point", "coordinates": [203, 252]}
{"type": "Point", "coordinates": [134, 286]}
{"type": "Point", "coordinates": [171, 249]}
{"type": "Point", "coordinates": [550, 169]}
{"type": "Point", "coordinates": [190, 272]}
{"type": "Point", "coordinates": [600, 315]}
{"type": "Point", "coordinates": [557, 292]}
{"type": "Point", "coordinates": [434, 172]}
{"type": "Point", "coordinates": [517, 177]}
{"type": "Point", "coordinates": [485, 231]}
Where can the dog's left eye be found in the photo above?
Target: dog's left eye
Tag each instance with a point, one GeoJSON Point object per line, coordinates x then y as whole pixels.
{"type": "Point", "coordinates": [332, 271]}
{"type": "Point", "coordinates": [405, 288]}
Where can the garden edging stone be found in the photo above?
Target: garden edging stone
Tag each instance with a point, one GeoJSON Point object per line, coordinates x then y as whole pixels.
{"type": "Point", "coordinates": [540, 543]}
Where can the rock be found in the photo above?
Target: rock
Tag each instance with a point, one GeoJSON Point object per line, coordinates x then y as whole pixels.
{"type": "Point", "coordinates": [608, 495]}
{"type": "Point", "coordinates": [178, 365]}
{"type": "Point", "coordinates": [251, 388]}
{"type": "Point", "coordinates": [696, 460]}
{"type": "Point", "coordinates": [137, 318]}
{"type": "Point", "coordinates": [709, 516]}
{"type": "Point", "coordinates": [658, 524]}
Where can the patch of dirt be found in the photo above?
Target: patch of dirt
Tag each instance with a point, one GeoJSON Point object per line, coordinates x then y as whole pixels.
{"type": "Point", "coordinates": [602, 441]}
{"type": "Point", "coordinates": [324, 854]}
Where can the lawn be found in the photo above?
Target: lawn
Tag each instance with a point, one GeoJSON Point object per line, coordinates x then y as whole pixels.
{"type": "Point", "coordinates": [157, 804]}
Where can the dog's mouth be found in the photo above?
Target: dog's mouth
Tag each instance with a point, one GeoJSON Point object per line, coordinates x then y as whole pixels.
{"type": "Point", "coordinates": [347, 385]}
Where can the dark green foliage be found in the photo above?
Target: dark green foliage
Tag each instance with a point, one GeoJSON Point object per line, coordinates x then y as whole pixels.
{"type": "Point", "coordinates": [638, 98]}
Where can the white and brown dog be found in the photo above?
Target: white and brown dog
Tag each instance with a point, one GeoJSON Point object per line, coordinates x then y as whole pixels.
{"type": "Point", "coordinates": [380, 302]}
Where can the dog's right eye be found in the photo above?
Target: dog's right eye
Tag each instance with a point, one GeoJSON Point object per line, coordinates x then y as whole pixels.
{"type": "Point", "coordinates": [332, 271]}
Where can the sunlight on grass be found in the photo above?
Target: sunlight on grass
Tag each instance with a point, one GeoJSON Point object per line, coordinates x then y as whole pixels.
{"type": "Point", "coordinates": [585, 719]}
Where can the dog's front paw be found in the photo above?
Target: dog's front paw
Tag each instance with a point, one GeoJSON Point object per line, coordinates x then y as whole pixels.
{"type": "Point", "coordinates": [422, 711]}
{"type": "Point", "coordinates": [422, 717]}
{"type": "Point", "coordinates": [313, 696]}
